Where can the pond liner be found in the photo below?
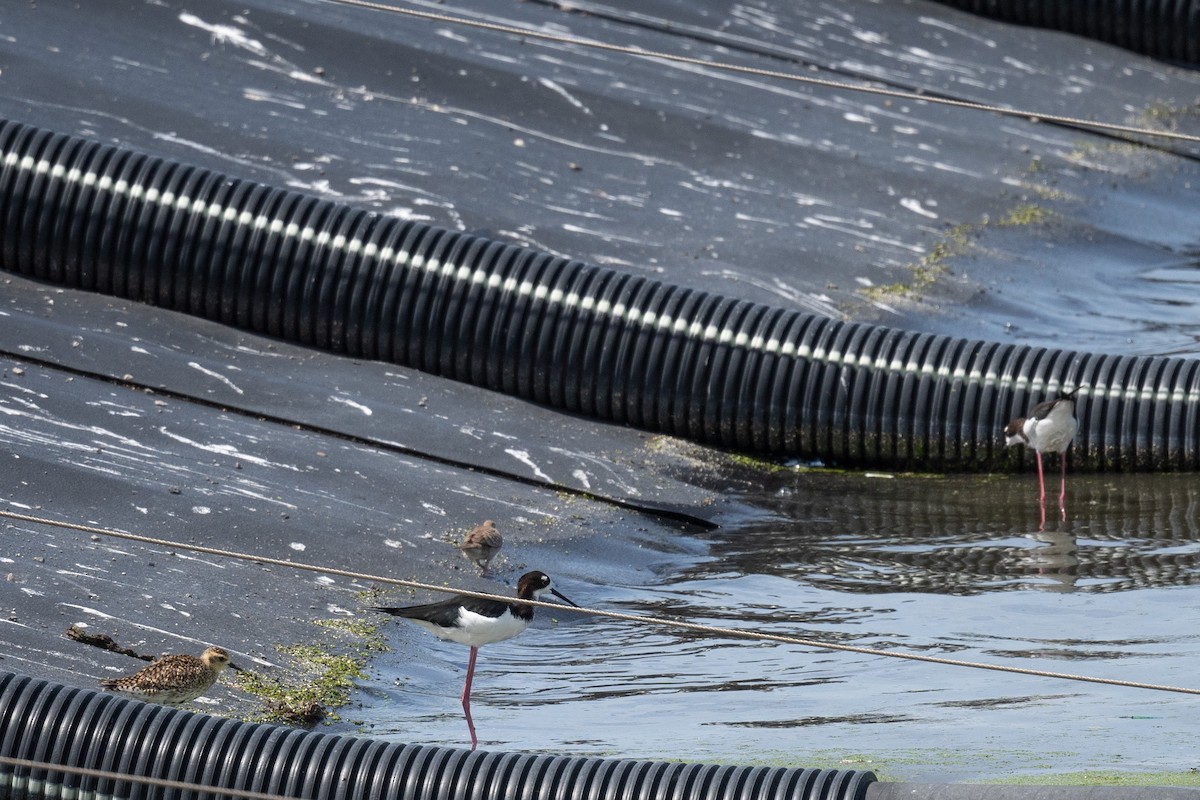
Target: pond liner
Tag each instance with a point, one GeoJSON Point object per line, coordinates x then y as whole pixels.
{"type": "Point", "coordinates": [1166, 29]}
{"type": "Point", "coordinates": [64, 726]}
{"type": "Point", "coordinates": [600, 342]}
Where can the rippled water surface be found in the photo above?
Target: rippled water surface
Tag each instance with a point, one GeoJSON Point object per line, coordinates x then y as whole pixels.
{"type": "Point", "coordinates": [963, 568]}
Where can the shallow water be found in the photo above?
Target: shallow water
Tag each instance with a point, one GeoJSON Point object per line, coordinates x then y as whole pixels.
{"type": "Point", "coordinates": [957, 567]}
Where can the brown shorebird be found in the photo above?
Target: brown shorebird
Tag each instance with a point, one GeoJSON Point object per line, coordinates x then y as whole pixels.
{"type": "Point", "coordinates": [1049, 427]}
{"type": "Point", "coordinates": [173, 680]}
{"type": "Point", "coordinates": [482, 544]}
{"type": "Point", "coordinates": [476, 621]}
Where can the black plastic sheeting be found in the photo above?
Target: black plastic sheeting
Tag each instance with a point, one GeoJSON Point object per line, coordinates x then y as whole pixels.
{"type": "Point", "coordinates": [160, 79]}
{"type": "Point", "coordinates": [736, 185]}
{"type": "Point", "coordinates": [72, 727]}
{"type": "Point", "coordinates": [589, 340]}
{"type": "Point", "coordinates": [1161, 28]}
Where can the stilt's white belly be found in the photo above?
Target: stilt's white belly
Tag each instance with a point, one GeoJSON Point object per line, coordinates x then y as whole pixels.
{"type": "Point", "coordinates": [476, 629]}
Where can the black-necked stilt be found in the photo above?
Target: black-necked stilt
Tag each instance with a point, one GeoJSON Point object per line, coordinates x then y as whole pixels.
{"type": "Point", "coordinates": [482, 544]}
{"type": "Point", "coordinates": [174, 680]}
{"type": "Point", "coordinates": [1049, 427]}
{"type": "Point", "coordinates": [476, 621]}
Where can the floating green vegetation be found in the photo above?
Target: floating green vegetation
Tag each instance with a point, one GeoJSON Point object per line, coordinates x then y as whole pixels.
{"type": "Point", "coordinates": [372, 597]}
{"type": "Point", "coordinates": [322, 682]}
{"type": "Point", "coordinates": [891, 767]}
{"type": "Point", "coordinates": [1014, 767]}
{"type": "Point", "coordinates": [785, 465]}
{"type": "Point", "coordinates": [915, 764]}
{"type": "Point", "coordinates": [957, 241]}
{"type": "Point", "coordinates": [1157, 116]}
{"type": "Point", "coordinates": [929, 270]}
{"type": "Point", "coordinates": [656, 443]}
{"type": "Point", "coordinates": [369, 634]}
{"type": "Point", "coordinates": [1108, 778]}
{"type": "Point", "coordinates": [319, 680]}
{"type": "Point", "coordinates": [755, 462]}
{"type": "Point", "coordinates": [1160, 116]}
{"type": "Point", "coordinates": [1028, 214]}
{"type": "Point", "coordinates": [1038, 179]}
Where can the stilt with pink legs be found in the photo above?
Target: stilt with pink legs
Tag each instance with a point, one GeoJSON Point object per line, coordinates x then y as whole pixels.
{"type": "Point", "coordinates": [476, 621]}
{"type": "Point", "coordinates": [1049, 427]}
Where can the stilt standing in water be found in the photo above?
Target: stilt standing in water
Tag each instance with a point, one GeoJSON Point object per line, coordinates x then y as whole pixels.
{"type": "Point", "coordinates": [476, 621]}
{"type": "Point", "coordinates": [1049, 427]}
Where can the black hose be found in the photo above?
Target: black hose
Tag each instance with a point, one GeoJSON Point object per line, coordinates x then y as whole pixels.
{"type": "Point", "coordinates": [593, 341]}
{"type": "Point", "coordinates": [50, 723]}
{"type": "Point", "coordinates": [1167, 29]}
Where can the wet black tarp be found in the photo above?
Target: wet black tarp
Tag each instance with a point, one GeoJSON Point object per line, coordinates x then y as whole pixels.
{"type": "Point", "coordinates": [804, 196]}
{"type": "Point", "coordinates": [752, 186]}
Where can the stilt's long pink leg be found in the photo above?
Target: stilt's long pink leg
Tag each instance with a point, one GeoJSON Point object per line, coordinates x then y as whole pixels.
{"type": "Point", "coordinates": [1041, 477]}
{"type": "Point", "coordinates": [466, 696]}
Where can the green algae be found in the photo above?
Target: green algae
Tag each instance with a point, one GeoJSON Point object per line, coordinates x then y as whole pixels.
{"type": "Point", "coordinates": [1023, 215]}
{"type": "Point", "coordinates": [318, 677]}
{"type": "Point", "coordinates": [923, 766]}
{"type": "Point", "coordinates": [1107, 778]}
{"type": "Point", "coordinates": [932, 267]}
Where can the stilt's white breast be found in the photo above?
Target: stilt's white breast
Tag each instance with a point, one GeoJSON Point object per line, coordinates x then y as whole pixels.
{"type": "Point", "coordinates": [1030, 430]}
{"type": "Point", "coordinates": [1053, 433]}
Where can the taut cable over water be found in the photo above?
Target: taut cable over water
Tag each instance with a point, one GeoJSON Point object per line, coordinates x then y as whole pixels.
{"type": "Point", "coordinates": [636, 618]}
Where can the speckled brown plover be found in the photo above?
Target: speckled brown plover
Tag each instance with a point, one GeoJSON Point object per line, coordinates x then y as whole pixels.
{"type": "Point", "coordinates": [175, 679]}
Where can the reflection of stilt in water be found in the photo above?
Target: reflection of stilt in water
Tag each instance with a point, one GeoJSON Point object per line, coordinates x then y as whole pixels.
{"type": "Point", "coordinates": [1057, 559]}
{"type": "Point", "coordinates": [1062, 510]}
{"type": "Point", "coordinates": [970, 535]}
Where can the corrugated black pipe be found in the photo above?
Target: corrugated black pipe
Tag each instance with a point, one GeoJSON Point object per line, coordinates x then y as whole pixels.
{"type": "Point", "coordinates": [592, 341]}
{"type": "Point", "coordinates": [46, 722]}
{"type": "Point", "coordinates": [1166, 29]}
{"type": "Point", "coordinates": [51, 724]}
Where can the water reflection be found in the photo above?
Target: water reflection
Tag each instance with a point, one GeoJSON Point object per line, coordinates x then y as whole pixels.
{"type": "Point", "coordinates": [967, 535]}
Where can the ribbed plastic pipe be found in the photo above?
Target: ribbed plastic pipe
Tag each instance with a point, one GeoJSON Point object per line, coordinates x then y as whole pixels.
{"type": "Point", "coordinates": [592, 341]}
{"type": "Point", "coordinates": [1168, 29]}
{"type": "Point", "coordinates": [55, 724]}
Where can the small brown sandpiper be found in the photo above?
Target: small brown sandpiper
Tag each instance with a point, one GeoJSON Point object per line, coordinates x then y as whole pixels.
{"type": "Point", "coordinates": [482, 544]}
{"type": "Point", "coordinates": [175, 679]}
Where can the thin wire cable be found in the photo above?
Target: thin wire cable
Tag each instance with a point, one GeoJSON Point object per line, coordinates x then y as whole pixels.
{"type": "Point", "coordinates": [1110, 127]}
{"type": "Point", "coordinates": [158, 783]}
{"type": "Point", "coordinates": [640, 619]}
